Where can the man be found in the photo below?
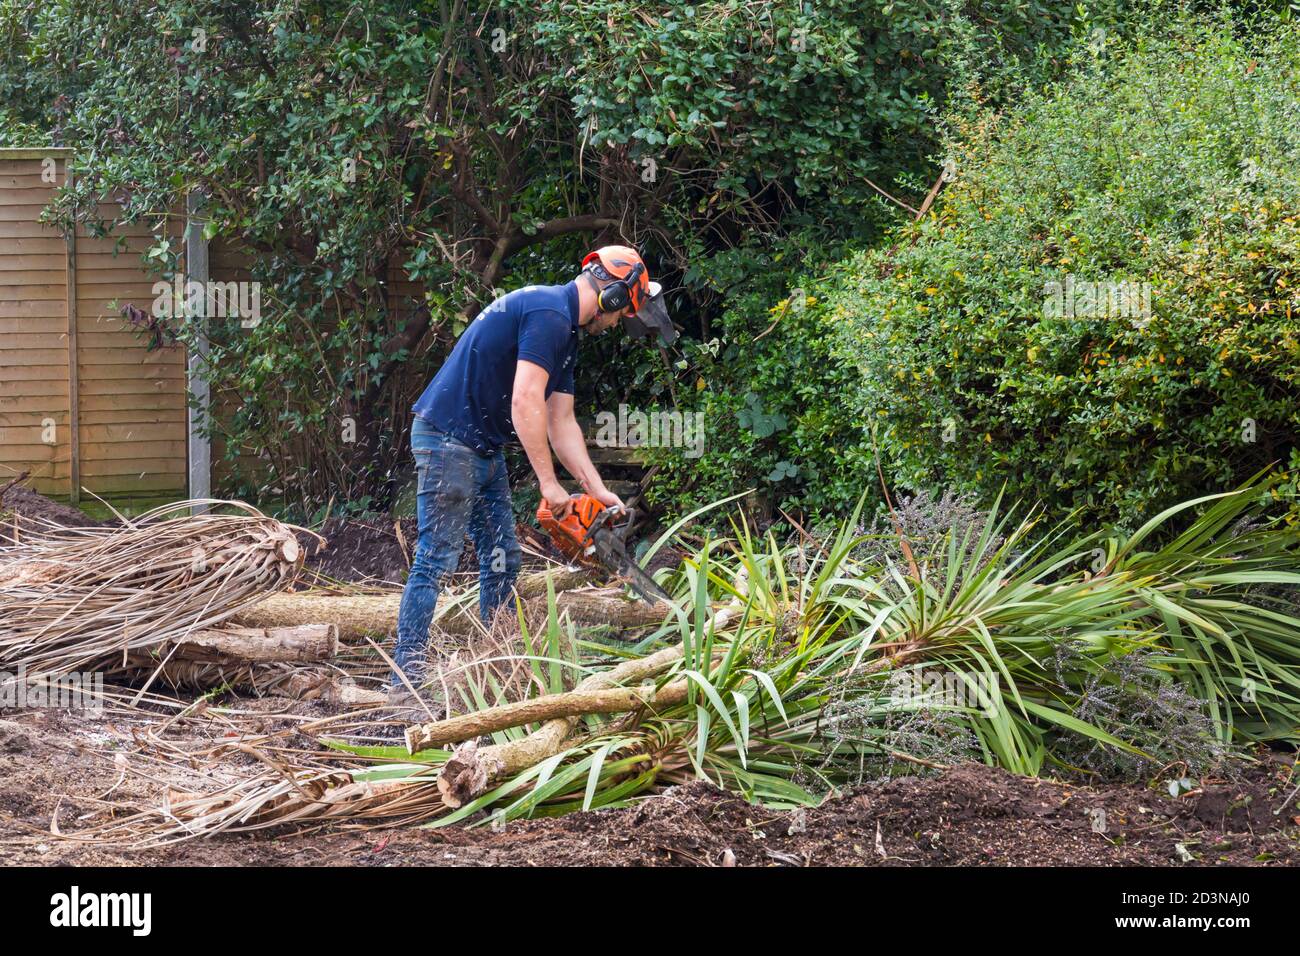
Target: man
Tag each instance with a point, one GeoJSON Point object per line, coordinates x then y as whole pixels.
{"type": "Point", "coordinates": [509, 377]}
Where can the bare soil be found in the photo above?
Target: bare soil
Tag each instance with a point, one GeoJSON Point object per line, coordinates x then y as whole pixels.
{"type": "Point", "coordinates": [364, 549]}
{"type": "Point", "coordinates": [969, 815]}
{"type": "Point", "coordinates": [21, 502]}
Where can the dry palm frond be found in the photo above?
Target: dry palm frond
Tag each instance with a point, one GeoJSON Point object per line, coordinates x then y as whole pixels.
{"type": "Point", "coordinates": [72, 598]}
{"type": "Point", "coordinates": [267, 787]}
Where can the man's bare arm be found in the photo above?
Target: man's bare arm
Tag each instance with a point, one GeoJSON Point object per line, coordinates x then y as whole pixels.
{"type": "Point", "coordinates": [529, 413]}
{"type": "Point", "coordinates": [571, 448]}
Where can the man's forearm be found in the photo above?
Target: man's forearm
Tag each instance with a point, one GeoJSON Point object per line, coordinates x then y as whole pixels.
{"type": "Point", "coordinates": [530, 425]}
{"type": "Point", "coordinates": [571, 448]}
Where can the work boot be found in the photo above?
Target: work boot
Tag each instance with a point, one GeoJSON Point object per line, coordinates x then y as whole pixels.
{"type": "Point", "coordinates": [407, 705]}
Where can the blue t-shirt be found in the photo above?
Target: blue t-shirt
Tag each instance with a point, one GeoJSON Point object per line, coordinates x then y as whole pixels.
{"type": "Point", "coordinates": [469, 398]}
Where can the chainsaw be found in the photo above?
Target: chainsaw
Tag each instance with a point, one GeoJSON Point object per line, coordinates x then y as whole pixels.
{"type": "Point", "coordinates": [592, 534]}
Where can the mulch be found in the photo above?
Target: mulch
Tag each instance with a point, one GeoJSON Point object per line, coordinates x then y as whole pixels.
{"type": "Point", "coordinates": [968, 815]}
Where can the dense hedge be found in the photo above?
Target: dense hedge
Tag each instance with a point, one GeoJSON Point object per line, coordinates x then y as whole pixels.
{"type": "Point", "coordinates": [773, 395]}
{"type": "Point", "coordinates": [1173, 162]}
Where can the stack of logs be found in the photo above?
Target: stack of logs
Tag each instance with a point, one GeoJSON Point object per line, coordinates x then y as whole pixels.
{"type": "Point", "coordinates": [202, 601]}
{"type": "Point", "coordinates": [268, 645]}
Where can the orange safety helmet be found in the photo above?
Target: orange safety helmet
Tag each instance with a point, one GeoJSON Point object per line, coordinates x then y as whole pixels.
{"type": "Point", "coordinates": [620, 262]}
{"type": "Point", "coordinates": [631, 287]}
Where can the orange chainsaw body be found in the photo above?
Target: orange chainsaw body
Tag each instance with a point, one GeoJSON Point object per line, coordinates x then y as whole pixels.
{"type": "Point", "coordinates": [588, 535]}
{"type": "Point", "coordinates": [571, 534]}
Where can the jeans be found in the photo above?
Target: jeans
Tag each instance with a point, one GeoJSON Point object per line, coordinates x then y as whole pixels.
{"type": "Point", "coordinates": [458, 490]}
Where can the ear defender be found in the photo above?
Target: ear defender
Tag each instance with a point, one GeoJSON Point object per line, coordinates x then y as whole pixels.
{"type": "Point", "coordinates": [618, 294]}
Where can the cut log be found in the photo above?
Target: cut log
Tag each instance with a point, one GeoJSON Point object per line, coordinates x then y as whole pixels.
{"type": "Point", "coordinates": [610, 606]}
{"type": "Point", "coordinates": [289, 550]}
{"type": "Point", "coordinates": [563, 579]}
{"type": "Point", "coordinates": [300, 642]}
{"type": "Point", "coordinates": [268, 661]}
{"type": "Point", "coordinates": [465, 619]}
{"type": "Point", "coordinates": [586, 607]}
{"type": "Point", "coordinates": [576, 703]}
{"type": "Point", "coordinates": [478, 768]}
{"type": "Point", "coordinates": [274, 679]}
{"type": "Point", "coordinates": [322, 683]}
{"type": "Point", "coordinates": [350, 695]}
{"type": "Point", "coordinates": [233, 648]}
{"type": "Point", "coordinates": [358, 616]}
{"type": "Point", "coordinates": [355, 615]}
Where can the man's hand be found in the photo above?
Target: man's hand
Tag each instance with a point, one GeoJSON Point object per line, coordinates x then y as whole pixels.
{"type": "Point", "coordinates": [608, 498]}
{"type": "Point", "coordinates": [557, 499]}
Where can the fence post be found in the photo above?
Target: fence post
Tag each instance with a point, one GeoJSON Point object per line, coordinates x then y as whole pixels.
{"type": "Point", "coordinates": [196, 269]}
{"type": "Point", "coordinates": [74, 391]}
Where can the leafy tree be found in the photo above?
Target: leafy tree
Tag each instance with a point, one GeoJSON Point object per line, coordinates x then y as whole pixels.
{"type": "Point", "coordinates": [478, 146]}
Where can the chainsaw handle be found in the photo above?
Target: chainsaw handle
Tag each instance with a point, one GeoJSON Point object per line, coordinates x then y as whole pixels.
{"type": "Point", "coordinates": [544, 513]}
{"type": "Point", "coordinates": [584, 508]}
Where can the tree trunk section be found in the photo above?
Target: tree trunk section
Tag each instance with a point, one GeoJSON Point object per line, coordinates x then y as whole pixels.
{"type": "Point", "coordinates": [576, 703]}
{"type": "Point", "coordinates": [358, 616]}
{"type": "Point", "coordinates": [298, 642]}
{"type": "Point", "coordinates": [472, 770]}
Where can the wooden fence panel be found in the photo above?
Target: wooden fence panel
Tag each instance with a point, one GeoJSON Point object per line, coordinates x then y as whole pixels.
{"type": "Point", "coordinates": [71, 361]}
{"type": "Point", "coordinates": [35, 413]}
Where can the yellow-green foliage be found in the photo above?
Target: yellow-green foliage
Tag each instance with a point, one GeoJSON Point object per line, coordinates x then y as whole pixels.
{"type": "Point", "coordinates": [1173, 162]}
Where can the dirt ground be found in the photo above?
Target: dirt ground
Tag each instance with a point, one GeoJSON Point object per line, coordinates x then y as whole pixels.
{"type": "Point", "coordinates": [364, 549]}
{"type": "Point", "coordinates": [967, 815]}
{"type": "Point", "coordinates": [19, 500]}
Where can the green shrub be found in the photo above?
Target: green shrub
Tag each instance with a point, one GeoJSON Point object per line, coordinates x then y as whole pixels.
{"type": "Point", "coordinates": [1171, 162]}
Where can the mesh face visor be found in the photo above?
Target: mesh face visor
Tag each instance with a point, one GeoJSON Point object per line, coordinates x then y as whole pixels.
{"type": "Point", "coordinates": [652, 316]}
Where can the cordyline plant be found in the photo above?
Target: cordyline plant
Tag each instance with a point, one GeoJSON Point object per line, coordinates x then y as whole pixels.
{"type": "Point", "coordinates": [777, 672]}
